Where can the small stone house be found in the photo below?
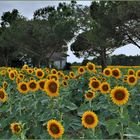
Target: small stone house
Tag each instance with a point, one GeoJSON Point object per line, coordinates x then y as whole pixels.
{"type": "Point", "coordinates": [58, 60]}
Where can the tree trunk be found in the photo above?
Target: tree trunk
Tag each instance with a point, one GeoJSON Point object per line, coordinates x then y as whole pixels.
{"type": "Point", "coordinates": [103, 58]}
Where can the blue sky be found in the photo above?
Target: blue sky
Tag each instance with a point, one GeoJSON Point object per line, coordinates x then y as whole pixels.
{"type": "Point", "coordinates": [26, 8]}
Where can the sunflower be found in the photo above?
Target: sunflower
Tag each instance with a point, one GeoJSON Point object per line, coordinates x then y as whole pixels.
{"type": "Point", "coordinates": [30, 71]}
{"type": "Point", "coordinates": [17, 80]}
{"type": "Point", "coordinates": [39, 73]}
{"type": "Point", "coordinates": [94, 84]}
{"type": "Point", "coordinates": [64, 83]}
{"type": "Point", "coordinates": [12, 75]}
{"type": "Point", "coordinates": [55, 128]}
{"type": "Point", "coordinates": [89, 119]}
{"type": "Point", "coordinates": [119, 95]}
{"type": "Point", "coordinates": [131, 80]}
{"type": "Point", "coordinates": [52, 87]}
{"type": "Point", "coordinates": [131, 72]}
{"type": "Point", "coordinates": [20, 76]}
{"type": "Point", "coordinates": [90, 67]}
{"type": "Point", "coordinates": [116, 73]}
{"type": "Point", "coordinates": [4, 84]}
{"type": "Point", "coordinates": [107, 72]}
{"type": "Point", "coordinates": [23, 87]}
{"type": "Point", "coordinates": [41, 83]}
{"type": "Point", "coordinates": [92, 78]}
{"type": "Point", "coordinates": [71, 74]}
{"type": "Point", "coordinates": [81, 70]}
{"type": "Point", "coordinates": [47, 70]}
{"type": "Point", "coordinates": [25, 67]}
{"type": "Point", "coordinates": [125, 78]}
{"type": "Point", "coordinates": [54, 76]}
{"type": "Point", "coordinates": [66, 77]}
{"type": "Point", "coordinates": [3, 95]}
{"type": "Point", "coordinates": [89, 95]}
{"type": "Point", "coordinates": [138, 74]}
{"type": "Point", "coordinates": [54, 71]}
{"type": "Point", "coordinates": [33, 85]}
{"type": "Point", "coordinates": [16, 128]}
{"type": "Point", "coordinates": [105, 87]}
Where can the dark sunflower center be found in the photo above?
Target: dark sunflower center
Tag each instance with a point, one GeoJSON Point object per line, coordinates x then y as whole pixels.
{"type": "Point", "coordinates": [5, 85]}
{"type": "Point", "coordinates": [105, 87]}
{"type": "Point", "coordinates": [95, 84]}
{"type": "Point", "coordinates": [89, 94]}
{"type": "Point", "coordinates": [16, 128]}
{"type": "Point", "coordinates": [54, 129]}
{"type": "Point", "coordinates": [89, 119]}
{"type": "Point", "coordinates": [53, 87]}
{"type": "Point", "coordinates": [54, 77]}
{"type": "Point", "coordinates": [72, 74]}
{"type": "Point", "coordinates": [65, 83]}
{"type": "Point", "coordinates": [1, 94]}
{"type": "Point", "coordinates": [119, 95]}
{"type": "Point", "coordinates": [115, 73]}
{"type": "Point", "coordinates": [30, 71]}
{"type": "Point", "coordinates": [132, 79]}
{"type": "Point", "coordinates": [12, 75]}
{"type": "Point", "coordinates": [42, 84]}
{"type": "Point", "coordinates": [81, 70]}
{"type": "Point", "coordinates": [139, 74]}
{"type": "Point", "coordinates": [23, 87]}
{"type": "Point", "coordinates": [39, 73]}
{"type": "Point", "coordinates": [54, 72]}
{"type": "Point", "coordinates": [90, 67]}
{"type": "Point", "coordinates": [66, 78]}
{"type": "Point", "coordinates": [32, 85]}
{"type": "Point", "coordinates": [107, 72]}
{"type": "Point", "coordinates": [131, 72]}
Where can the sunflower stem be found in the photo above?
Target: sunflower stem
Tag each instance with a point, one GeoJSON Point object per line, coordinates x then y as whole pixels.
{"type": "Point", "coordinates": [121, 115]}
{"type": "Point", "coordinates": [93, 132]}
{"type": "Point", "coordinates": [90, 104]}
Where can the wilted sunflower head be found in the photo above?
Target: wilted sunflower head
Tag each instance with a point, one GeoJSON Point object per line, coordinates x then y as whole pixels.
{"type": "Point", "coordinates": [55, 128]}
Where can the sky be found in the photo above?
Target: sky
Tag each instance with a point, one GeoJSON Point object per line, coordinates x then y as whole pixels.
{"type": "Point", "coordinates": [27, 8]}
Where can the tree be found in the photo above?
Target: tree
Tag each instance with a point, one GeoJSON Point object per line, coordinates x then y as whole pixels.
{"type": "Point", "coordinates": [103, 34]}
{"type": "Point", "coordinates": [101, 37]}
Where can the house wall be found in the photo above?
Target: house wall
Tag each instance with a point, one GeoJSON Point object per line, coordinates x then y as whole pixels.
{"type": "Point", "coordinates": [60, 64]}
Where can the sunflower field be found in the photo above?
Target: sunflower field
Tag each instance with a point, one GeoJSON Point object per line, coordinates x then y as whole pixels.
{"type": "Point", "coordinates": [84, 103]}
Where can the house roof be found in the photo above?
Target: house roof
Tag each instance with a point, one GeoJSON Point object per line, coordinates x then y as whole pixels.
{"type": "Point", "coordinates": [58, 56]}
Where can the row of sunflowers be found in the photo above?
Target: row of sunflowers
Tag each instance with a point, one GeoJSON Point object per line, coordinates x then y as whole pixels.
{"type": "Point", "coordinates": [43, 103]}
